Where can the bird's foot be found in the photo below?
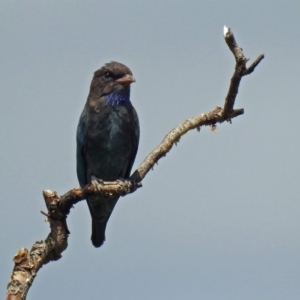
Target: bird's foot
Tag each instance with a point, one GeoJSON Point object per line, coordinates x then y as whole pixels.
{"type": "Point", "coordinates": [124, 186]}
{"type": "Point", "coordinates": [97, 183]}
{"type": "Point", "coordinates": [121, 186]}
{"type": "Point", "coordinates": [130, 186]}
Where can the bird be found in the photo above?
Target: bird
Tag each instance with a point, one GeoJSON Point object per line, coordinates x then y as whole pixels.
{"type": "Point", "coordinates": [107, 139]}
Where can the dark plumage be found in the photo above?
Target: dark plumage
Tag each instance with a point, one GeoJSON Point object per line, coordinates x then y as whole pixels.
{"type": "Point", "coordinates": [107, 139]}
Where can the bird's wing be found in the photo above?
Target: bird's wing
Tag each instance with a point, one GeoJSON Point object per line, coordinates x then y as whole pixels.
{"type": "Point", "coordinates": [135, 143]}
{"type": "Point", "coordinates": [80, 137]}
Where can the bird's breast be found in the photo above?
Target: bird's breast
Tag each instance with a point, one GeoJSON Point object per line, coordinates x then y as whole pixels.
{"type": "Point", "coordinates": [109, 142]}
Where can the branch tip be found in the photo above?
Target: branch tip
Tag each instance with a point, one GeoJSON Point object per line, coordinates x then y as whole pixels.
{"type": "Point", "coordinates": [226, 30]}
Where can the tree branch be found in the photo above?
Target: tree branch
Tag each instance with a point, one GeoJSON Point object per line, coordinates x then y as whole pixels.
{"type": "Point", "coordinates": [28, 263]}
{"type": "Point", "coordinates": [240, 70]}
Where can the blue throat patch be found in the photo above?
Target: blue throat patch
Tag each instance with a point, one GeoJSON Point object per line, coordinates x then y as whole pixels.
{"type": "Point", "coordinates": [115, 99]}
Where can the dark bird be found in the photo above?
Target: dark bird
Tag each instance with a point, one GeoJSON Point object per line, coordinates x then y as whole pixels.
{"type": "Point", "coordinates": [107, 139]}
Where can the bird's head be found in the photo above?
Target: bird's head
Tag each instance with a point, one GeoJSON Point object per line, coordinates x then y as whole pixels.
{"type": "Point", "coordinates": [112, 78]}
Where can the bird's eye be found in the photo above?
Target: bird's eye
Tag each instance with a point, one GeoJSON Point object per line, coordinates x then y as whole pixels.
{"type": "Point", "coordinates": [107, 75]}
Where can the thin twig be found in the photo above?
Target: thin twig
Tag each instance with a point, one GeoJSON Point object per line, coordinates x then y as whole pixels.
{"type": "Point", "coordinates": [240, 71]}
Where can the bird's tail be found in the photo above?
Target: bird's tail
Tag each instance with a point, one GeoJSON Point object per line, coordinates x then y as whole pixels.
{"type": "Point", "coordinates": [98, 232]}
{"type": "Point", "coordinates": [100, 209]}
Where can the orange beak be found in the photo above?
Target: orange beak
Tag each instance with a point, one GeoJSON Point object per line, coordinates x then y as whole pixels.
{"type": "Point", "coordinates": [128, 79]}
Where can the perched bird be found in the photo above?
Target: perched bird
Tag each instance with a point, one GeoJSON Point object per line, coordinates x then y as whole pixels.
{"type": "Point", "coordinates": [107, 139]}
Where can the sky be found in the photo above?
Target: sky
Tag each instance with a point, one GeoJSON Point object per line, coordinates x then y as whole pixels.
{"type": "Point", "coordinates": [218, 218]}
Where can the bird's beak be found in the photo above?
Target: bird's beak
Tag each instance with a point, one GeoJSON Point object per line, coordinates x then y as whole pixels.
{"type": "Point", "coordinates": [128, 79]}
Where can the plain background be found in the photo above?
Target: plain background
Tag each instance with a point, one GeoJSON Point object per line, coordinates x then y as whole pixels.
{"type": "Point", "coordinates": [218, 218]}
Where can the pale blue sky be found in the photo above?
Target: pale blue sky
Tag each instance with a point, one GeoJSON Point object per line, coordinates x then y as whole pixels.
{"type": "Point", "coordinates": [219, 217]}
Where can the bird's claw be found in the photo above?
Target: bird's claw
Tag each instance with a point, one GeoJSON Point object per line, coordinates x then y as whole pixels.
{"type": "Point", "coordinates": [95, 183]}
{"type": "Point", "coordinates": [128, 186]}
{"type": "Point", "coordinates": [124, 185]}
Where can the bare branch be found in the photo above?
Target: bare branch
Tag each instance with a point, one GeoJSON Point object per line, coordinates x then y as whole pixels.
{"type": "Point", "coordinates": [240, 71]}
{"type": "Point", "coordinates": [173, 137]}
{"type": "Point", "coordinates": [28, 263]}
